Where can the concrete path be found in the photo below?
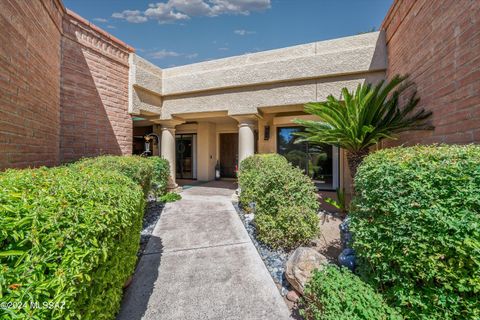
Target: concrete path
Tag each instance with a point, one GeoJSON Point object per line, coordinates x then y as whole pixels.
{"type": "Point", "coordinates": [201, 264]}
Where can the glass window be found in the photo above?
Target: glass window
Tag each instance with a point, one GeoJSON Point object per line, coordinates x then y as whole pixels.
{"type": "Point", "coordinates": [319, 162]}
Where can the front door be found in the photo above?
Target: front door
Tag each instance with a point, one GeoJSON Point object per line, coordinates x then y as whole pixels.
{"type": "Point", "coordinates": [228, 154]}
{"type": "Point", "coordinates": [185, 154]}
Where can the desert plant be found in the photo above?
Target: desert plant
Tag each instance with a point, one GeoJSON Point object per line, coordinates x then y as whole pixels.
{"type": "Point", "coordinates": [337, 294]}
{"type": "Point", "coordinates": [360, 119]}
{"type": "Point", "coordinates": [417, 231]}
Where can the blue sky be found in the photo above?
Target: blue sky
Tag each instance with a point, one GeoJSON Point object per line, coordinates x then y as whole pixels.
{"type": "Point", "coordinates": [178, 32]}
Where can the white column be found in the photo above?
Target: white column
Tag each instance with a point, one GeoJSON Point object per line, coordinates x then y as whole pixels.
{"type": "Point", "coordinates": [168, 152]}
{"type": "Point", "coordinates": [246, 139]}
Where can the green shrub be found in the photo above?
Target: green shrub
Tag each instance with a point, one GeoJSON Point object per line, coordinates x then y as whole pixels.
{"type": "Point", "coordinates": [285, 200]}
{"type": "Point", "coordinates": [271, 182]}
{"type": "Point", "coordinates": [289, 228]}
{"type": "Point", "coordinates": [161, 173]}
{"type": "Point", "coordinates": [137, 168]}
{"type": "Point", "coordinates": [69, 236]}
{"type": "Point", "coordinates": [338, 294]}
{"type": "Point", "coordinates": [416, 227]}
{"type": "Point", "coordinates": [170, 197]}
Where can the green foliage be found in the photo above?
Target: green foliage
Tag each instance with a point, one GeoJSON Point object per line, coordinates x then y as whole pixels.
{"type": "Point", "coordinates": [271, 182]}
{"type": "Point", "coordinates": [69, 237]}
{"type": "Point", "coordinates": [161, 173]}
{"type": "Point", "coordinates": [362, 118]}
{"type": "Point", "coordinates": [416, 228]}
{"type": "Point", "coordinates": [170, 197]}
{"type": "Point", "coordinates": [279, 190]}
{"type": "Point", "coordinates": [289, 228]}
{"type": "Point", "coordinates": [341, 202]}
{"type": "Point", "coordinates": [137, 168]}
{"type": "Point", "coordinates": [338, 294]}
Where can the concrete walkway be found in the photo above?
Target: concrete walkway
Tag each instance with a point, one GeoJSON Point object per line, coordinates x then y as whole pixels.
{"type": "Point", "coordinates": [201, 264]}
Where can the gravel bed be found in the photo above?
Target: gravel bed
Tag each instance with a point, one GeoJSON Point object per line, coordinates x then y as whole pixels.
{"type": "Point", "coordinates": [153, 209]}
{"type": "Point", "coordinates": [274, 259]}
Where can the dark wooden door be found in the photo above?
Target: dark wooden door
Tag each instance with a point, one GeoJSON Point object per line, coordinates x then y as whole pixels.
{"type": "Point", "coordinates": [228, 154]}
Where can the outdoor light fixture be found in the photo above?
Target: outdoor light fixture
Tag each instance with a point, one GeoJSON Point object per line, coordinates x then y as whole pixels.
{"type": "Point", "coordinates": [266, 133]}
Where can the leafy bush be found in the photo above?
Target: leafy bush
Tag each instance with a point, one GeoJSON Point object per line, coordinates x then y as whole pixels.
{"type": "Point", "coordinates": [285, 200]}
{"type": "Point", "coordinates": [139, 169]}
{"type": "Point", "coordinates": [170, 197]}
{"type": "Point", "coordinates": [416, 229]}
{"type": "Point", "coordinates": [161, 173]}
{"type": "Point", "coordinates": [289, 228]}
{"type": "Point", "coordinates": [338, 294]}
{"type": "Point", "coordinates": [69, 237]}
{"type": "Point", "coordinates": [271, 182]}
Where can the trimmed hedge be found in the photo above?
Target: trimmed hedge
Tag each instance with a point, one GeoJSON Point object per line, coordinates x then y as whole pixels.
{"type": "Point", "coordinates": [338, 294]}
{"type": "Point", "coordinates": [69, 237]}
{"type": "Point", "coordinates": [147, 172]}
{"type": "Point", "coordinates": [285, 200]}
{"type": "Point", "coordinates": [416, 226]}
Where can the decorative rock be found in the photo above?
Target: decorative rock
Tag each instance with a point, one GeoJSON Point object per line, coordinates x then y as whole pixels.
{"type": "Point", "coordinates": [249, 217]}
{"type": "Point", "coordinates": [347, 258]}
{"type": "Point", "coordinates": [293, 296]}
{"type": "Point", "coordinates": [345, 234]}
{"type": "Point", "coordinates": [300, 266]}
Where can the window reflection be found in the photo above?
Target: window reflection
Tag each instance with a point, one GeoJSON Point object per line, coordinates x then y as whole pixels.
{"type": "Point", "coordinates": [320, 162]}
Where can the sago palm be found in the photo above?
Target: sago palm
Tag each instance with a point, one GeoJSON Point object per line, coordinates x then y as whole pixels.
{"type": "Point", "coordinates": [362, 118]}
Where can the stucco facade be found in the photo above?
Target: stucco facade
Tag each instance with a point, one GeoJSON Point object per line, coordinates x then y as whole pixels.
{"type": "Point", "coordinates": [247, 94]}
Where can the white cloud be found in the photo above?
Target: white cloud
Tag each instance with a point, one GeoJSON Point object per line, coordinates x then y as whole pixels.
{"type": "Point", "coordinates": [242, 32]}
{"type": "Point", "coordinates": [164, 13]}
{"type": "Point", "coordinates": [161, 54]}
{"type": "Point", "coordinates": [111, 27]}
{"type": "Point", "coordinates": [191, 55]}
{"type": "Point", "coordinates": [133, 16]}
{"type": "Point", "coordinates": [177, 10]}
{"type": "Point", "coordinates": [238, 6]}
{"type": "Point", "coordinates": [223, 49]}
{"type": "Point", "coordinates": [100, 20]}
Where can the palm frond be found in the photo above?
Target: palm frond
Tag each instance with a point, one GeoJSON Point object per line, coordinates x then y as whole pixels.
{"type": "Point", "coordinates": [365, 116]}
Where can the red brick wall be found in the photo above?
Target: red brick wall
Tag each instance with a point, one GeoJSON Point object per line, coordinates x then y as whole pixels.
{"type": "Point", "coordinates": [94, 96]}
{"type": "Point", "coordinates": [29, 83]}
{"type": "Point", "coordinates": [438, 44]}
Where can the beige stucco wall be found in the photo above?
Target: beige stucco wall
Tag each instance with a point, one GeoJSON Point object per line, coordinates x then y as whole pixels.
{"type": "Point", "coordinates": [325, 58]}
{"type": "Point", "coordinates": [145, 86]}
{"type": "Point", "coordinates": [242, 84]}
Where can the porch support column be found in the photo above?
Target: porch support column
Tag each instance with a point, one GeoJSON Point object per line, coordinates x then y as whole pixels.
{"type": "Point", "coordinates": [167, 147]}
{"type": "Point", "coordinates": [246, 137]}
{"type": "Point", "coordinates": [168, 152]}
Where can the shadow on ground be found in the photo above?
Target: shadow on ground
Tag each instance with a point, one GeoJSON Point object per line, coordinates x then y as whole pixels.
{"type": "Point", "coordinates": [137, 294]}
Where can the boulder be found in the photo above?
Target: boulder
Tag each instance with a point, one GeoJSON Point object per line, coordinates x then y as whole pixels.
{"type": "Point", "coordinates": [293, 296]}
{"type": "Point", "coordinates": [300, 265]}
